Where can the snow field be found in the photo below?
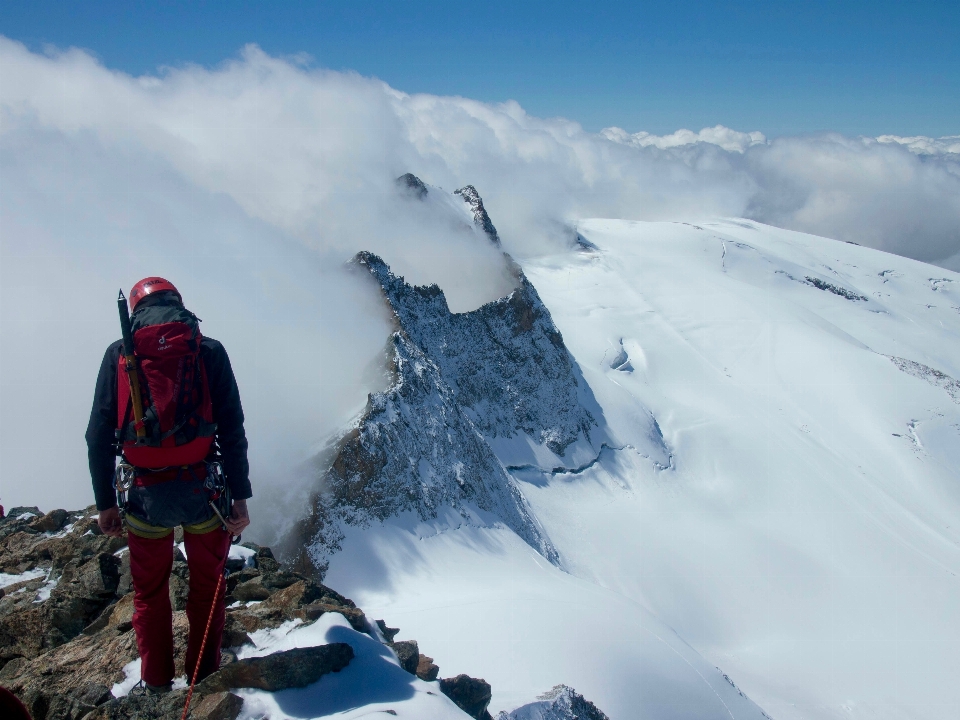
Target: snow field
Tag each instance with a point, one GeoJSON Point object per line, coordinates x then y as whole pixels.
{"type": "Point", "coordinates": [806, 539]}
{"type": "Point", "coordinates": [480, 601]}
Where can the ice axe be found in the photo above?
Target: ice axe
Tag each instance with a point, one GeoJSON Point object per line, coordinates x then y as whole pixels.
{"type": "Point", "coordinates": [234, 539]}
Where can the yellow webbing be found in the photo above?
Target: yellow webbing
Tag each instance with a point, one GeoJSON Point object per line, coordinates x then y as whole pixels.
{"type": "Point", "coordinates": [141, 528]}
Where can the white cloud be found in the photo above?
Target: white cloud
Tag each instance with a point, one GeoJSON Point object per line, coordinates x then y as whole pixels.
{"type": "Point", "coordinates": [724, 137]}
{"type": "Point", "coordinates": [922, 145]}
{"type": "Point", "coordinates": [253, 181]}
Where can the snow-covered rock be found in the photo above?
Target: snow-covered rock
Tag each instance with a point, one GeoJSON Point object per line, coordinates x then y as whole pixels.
{"type": "Point", "coordinates": [559, 703]}
{"type": "Point", "coordinates": [473, 394]}
{"type": "Point", "coordinates": [480, 217]}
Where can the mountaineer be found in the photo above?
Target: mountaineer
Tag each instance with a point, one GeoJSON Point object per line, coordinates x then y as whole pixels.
{"type": "Point", "coordinates": [168, 405]}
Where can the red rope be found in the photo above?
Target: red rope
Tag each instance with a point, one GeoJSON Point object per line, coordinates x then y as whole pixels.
{"type": "Point", "coordinates": [203, 644]}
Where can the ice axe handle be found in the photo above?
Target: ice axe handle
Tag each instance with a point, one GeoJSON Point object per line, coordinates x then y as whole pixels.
{"type": "Point", "coordinates": [234, 539]}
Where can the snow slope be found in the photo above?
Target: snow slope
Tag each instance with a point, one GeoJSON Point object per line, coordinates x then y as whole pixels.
{"type": "Point", "coordinates": [807, 540]}
{"type": "Point", "coordinates": [804, 535]}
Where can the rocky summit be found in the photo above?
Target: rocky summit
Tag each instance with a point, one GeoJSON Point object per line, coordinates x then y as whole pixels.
{"type": "Point", "coordinates": [559, 703]}
{"type": "Point", "coordinates": [460, 382]}
{"type": "Point", "coordinates": [67, 645]}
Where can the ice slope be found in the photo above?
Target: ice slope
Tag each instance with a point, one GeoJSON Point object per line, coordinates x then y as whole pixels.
{"type": "Point", "coordinates": [807, 537]}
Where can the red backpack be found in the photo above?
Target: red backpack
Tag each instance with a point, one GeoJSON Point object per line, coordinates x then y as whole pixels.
{"type": "Point", "coordinates": [177, 409]}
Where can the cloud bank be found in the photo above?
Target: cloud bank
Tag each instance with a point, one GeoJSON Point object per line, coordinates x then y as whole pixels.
{"type": "Point", "coordinates": [251, 183]}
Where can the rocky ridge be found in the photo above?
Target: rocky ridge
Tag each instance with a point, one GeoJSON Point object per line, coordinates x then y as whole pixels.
{"type": "Point", "coordinates": [480, 217]}
{"type": "Point", "coordinates": [559, 703]}
{"type": "Point", "coordinates": [459, 380]}
{"type": "Point", "coordinates": [67, 640]}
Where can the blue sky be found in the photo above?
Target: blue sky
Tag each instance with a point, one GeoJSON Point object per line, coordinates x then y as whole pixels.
{"type": "Point", "coordinates": [782, 68]}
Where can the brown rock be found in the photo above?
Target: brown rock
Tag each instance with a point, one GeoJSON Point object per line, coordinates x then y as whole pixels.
{"type": "Point", "coordinates": [408, 654]}
{"type": "Point", "coordinates": [289, 669]}
{"type": "Point", "coordinates": [121, 616]}
{"type": "Point", "coordinates": [219, 706]}
{"type": "Point", "coordinates": [296, 595]}
{"type": "Point", "coordinates": [53, 521]}
{"type": "Point", "coordinates": [426, 670]}
{"type": "Point", "coordinates": [73, 676]}
{"type": "Point", "coordinates": [355, 616]}
{"type": "Point", "coordinates": [469, 694]}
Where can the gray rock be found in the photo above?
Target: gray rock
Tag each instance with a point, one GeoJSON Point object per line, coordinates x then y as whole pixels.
{"type": "Point", "coordinates": [412, 185]}
{"type": "Point", "coordinates": [560, 703]}
{"type": "Point", "coordinates": [389, 633]}
{"type": "Point", "coordinates": [251, 590]}
{"type": "Point", "coordinates": [289, 669]}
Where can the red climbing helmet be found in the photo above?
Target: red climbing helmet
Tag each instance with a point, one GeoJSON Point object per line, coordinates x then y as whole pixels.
{"type": "Point", "coordinates": [148, 286]}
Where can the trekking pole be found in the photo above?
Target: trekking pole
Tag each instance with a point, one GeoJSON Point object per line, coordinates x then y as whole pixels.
{"type": "Point", "coordinates": [131, 366]}
{"type": "Point", "coordinates": [206, 633]}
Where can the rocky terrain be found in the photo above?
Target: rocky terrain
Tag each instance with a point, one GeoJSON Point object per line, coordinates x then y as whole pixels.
{"type": "Point", "coordinates": [462, 382]}
{"type": "Point", "coordinates": [559, 703]}
{"type": "Point", "coordinates": [67, 647]}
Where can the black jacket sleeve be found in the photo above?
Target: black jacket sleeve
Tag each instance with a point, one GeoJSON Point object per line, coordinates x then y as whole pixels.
{"type": "Point", "coordinates": [228, 414]}
{"type": "Point", "coordinates": [101, 454]}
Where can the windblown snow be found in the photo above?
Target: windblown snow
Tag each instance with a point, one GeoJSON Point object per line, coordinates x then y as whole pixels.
{"type": "Point", "coordinates": [798, 548]}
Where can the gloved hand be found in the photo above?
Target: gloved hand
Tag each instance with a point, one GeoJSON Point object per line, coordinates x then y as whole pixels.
{"type": "Point", "coordinates": [110, 523]}
{"type": "Point", "coordinates": [239, 518]}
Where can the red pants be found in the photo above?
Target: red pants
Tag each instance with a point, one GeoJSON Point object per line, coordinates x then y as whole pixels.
{"type": "Point", "coordinates": [151, 561]}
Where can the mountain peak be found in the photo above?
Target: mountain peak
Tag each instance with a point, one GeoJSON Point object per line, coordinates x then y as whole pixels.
{"type": "Point", "coordinates": [412, 185]}
{"type": "Point", "coordinates": [480, 217]}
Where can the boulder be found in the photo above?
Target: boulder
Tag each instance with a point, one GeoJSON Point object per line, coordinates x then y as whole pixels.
{"type": "Point", "coordinates": [408, 654]}
{"type": "Point", "coordinates": [218, 706]}
{"type": "Point", "coordinates": [426, 669]}
{"type": "Point", "coordinates": [53, 521]}
{"type": "Point", "coordinates": [250, 591]}
{"type": "Point", "coordinates": [469, 694]}
{"type": "Point", "coordinates": [240, 577]}
{"type": "Point", "coordinates": [288, 669]}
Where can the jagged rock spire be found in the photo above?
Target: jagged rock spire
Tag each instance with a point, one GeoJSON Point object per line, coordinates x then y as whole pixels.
{"type": "Point", "coordinates": [480, 217]}
{"type": "Point", "coordinates": [412, 185]}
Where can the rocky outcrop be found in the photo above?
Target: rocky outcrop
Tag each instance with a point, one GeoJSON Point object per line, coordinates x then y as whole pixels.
{"type": "Point", "coordinates": [413, 186]}
{"type": "Point", "coordinates": [560, 703]}
{"type": "Point", "coordinates": [288, 669]}
{"type": "Point", "coordinates": [460, 381]}
{"type": "Point", "coordinates": [71, 674]}
{"type": "Point", "coordinates": [505, 362]}
{"type": "Point", "coordinates": [469, 694]}
{"type": "Point", "coordinates": [72, 573]}
{"type": "Point", "coordinates": [67, 630]}
{"type": "Point", "coordinates": [480, 217]}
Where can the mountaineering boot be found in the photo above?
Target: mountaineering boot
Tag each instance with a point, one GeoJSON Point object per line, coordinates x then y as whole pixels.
{"type": "Point", "coordinates": [158, 689]}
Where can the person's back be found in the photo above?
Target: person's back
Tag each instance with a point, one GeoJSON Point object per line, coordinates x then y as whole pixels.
{"type": "Point", "coordinates": [171, 409]}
